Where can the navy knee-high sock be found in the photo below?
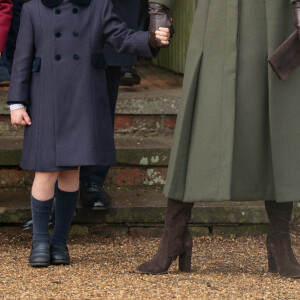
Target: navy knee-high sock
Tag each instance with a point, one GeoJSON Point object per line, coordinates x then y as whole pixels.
{"type": "Point", "coordinates": [40, 216]}
{"type": "Point", "coordinates": [65, 206]}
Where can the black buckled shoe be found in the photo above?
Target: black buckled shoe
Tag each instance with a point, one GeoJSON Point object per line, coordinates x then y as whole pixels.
{"type": "Point", "coordinates": [93, 196]}
{"type": "Point", "coordinates": [40, 255]}
{"type": "Point", "coordinates": [59, 255]}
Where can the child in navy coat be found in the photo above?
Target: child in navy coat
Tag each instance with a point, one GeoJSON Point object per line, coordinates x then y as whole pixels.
{"type": "Point", "coordinates": [59, 75]}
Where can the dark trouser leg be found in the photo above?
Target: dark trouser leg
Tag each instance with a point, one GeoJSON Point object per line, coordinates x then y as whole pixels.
{"type": "Point", "coordinates": [92, 194]}
{"type": "Point", "coordinates": [176, 241]}
{"type": "Point", "coordinates": [94, 173]}
{"type": "Point", "coordinates": [4, 72]}
{"type": "Point", "coordinates": [280, 254]}
{"type": "Point", "coordinates": [133, 13]}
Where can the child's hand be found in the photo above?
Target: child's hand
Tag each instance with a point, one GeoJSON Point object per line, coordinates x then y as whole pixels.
{"type": "Point", "coordinates": [19, 117]}
{"type": "Point", "coordinates": [163, 34]}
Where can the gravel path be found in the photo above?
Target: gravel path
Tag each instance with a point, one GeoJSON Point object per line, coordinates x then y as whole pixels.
{"type": "Point", "coordinates": [223, 268]}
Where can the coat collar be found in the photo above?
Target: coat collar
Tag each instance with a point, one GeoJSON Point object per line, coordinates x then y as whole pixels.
{"type": "Point", "coordinates": [53, 3]}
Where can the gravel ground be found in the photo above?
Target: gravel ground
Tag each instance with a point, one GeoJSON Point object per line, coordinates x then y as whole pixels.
{"type": "Point", "coordinates": [222, 268]}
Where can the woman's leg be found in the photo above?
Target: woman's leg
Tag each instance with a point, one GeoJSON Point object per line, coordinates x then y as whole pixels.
{"type": "Point", "coordinates": [280, 254]}
{"type": "Point", "coordinates": [176, 241]}
{"type": "Point", "coordinates": [66, 200]}
{"type": "Point", "coordinates": [41, 204]}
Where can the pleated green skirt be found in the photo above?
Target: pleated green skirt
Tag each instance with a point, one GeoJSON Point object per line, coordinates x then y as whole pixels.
{"type": "Point", "coordinates": [224, 139]}
{"type": "Point", "coordinates": [252, 172]}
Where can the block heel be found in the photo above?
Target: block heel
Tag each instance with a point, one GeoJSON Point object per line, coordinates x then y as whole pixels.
{"type": "Point", "coordinates": [272, 267]}
{"type": "Point", "coordinates": [280, 252]}
{"type": "Point", "coordinates": [185, 261]}
{"type": "Point", "coordinates": [175, 241]}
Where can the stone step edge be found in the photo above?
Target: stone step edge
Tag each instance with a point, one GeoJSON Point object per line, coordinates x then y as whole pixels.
{"type": "Point", "coordinates": [145, 151]}
{"type": "Point", "coordinates": [156, 102]}
{"type": "Point", "coordinates": [145, 230]}
{"type": "Point", "coordinates": [139, 206]}
{"type": "Point", "coordinates": [208, 216]}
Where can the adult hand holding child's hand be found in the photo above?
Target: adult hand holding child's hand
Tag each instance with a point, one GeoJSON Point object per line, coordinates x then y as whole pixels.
{"type": "Point", "coordinates": [159, 19]}
{"type": "Point", "coordinates": [19, 117]}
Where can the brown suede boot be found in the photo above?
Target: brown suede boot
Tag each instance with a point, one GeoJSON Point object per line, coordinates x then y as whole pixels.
{"type": "Point", "coordinates": [280, 254]}
{"type": "Point", "coordinates": [176, 241]}
{"type": "Point", "coordinates": [272, 267]}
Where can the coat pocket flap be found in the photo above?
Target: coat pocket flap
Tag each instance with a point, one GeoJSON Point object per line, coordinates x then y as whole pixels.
{"type": "Point", "coordinates": [98, 61]}
{"type": "Point", "coordinates": [36, 64]}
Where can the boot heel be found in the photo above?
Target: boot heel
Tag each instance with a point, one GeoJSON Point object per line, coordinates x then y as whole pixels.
{"type": "Point", "coordinates": [185, 261]}
{"type": "Point", "coordinates": [272, 266]}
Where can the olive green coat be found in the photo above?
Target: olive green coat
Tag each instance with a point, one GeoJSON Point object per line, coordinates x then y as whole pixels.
{"type": "Point", "coordinates": [238, 129]}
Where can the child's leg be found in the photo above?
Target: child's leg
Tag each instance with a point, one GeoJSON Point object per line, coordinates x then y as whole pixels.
{"type": "Point", "coordinates": [41, 204]}
{"type": "Point", "coordinates": [66, 199]}
{"type": "Point", "coordinates": [43, 185]}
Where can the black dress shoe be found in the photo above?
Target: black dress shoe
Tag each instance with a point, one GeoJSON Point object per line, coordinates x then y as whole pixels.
{"type": "Point", "coordinates": [40, 255]}
{"type": "Point", "coordinates": [129, 76]}
{"type": "Point", "coordinates": [93, 196]}
{"type": "Point", "coordinates": [59, 255]}
{"type": "Point", "coordinates": [28, 224]}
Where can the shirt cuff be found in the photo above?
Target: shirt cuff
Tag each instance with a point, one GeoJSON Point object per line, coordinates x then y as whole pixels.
{"type": "Point", "coordinates": [16, 106]}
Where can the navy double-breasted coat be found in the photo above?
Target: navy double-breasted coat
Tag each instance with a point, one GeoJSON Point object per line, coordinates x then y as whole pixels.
{"type": "Point", "coordinates": [59, 74]}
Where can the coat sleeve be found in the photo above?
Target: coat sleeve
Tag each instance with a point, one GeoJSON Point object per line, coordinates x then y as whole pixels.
{"type": "Point", "coordinates": [5, 19]}
{"type": "Point", "coordinates": [121, 38]}
{"type": "Point", "coordinates": [19, 90]}
{"type": "Point", "coordinates": [166, 3]}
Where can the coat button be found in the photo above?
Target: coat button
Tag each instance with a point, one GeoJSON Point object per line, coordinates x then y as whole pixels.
{"type": "Point", "coordinates": [57, 57]}
{"type": "Point", "coordinates": [57, 11]}
{"type": "Point", "coordinates": [76, 57]}
{"type": "Point", "coordinates": [75, 33]}
{"type": "Point", "coordinates": [75, 10]}
{"type": "Point", "coordinates": [58, 34]}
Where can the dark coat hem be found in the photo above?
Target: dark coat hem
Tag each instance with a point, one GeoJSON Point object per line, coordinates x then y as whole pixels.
{"type": "Point", "coordinates": [59, 168]}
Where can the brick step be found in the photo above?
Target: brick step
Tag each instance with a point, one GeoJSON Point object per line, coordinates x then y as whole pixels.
{"type": "Point", "coordinates": [141, 162]}
{"type": "Point", "coordinates": [146, 112]}
{"type": "Point", "coordinates": [118, 176]}
{"type": "Point", "coordinates": [146, 125]}
{"type": "Point", "coordinates": [131, 150]}
{"type": "Point", "coordinates": [144, 207]}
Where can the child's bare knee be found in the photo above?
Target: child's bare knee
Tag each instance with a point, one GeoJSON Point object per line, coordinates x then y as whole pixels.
{"type": "Point", "coordinates": [43, 185]}
{"type": "Point", "coordinates": [47, 178]}
{"type": "Point", "coordinates": [69, 180]}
